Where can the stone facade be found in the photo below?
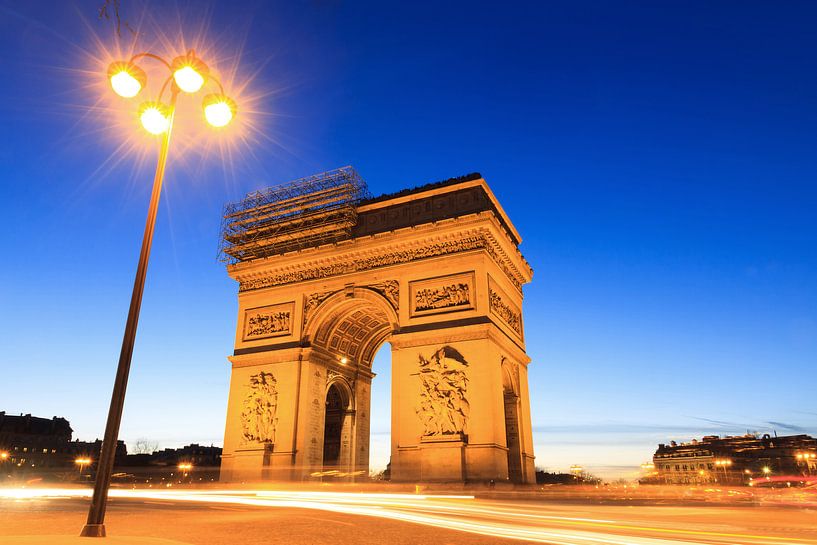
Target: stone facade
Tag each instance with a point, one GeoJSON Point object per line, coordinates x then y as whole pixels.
{"type": "Point", "coordinates": [442, 284]}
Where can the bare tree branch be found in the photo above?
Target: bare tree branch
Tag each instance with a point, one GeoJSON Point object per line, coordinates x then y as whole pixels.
{"type": "Point", "coordinates": [104, 13]}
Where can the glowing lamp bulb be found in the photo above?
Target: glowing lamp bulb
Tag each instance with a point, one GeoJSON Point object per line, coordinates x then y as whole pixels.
{"type": "Point", "coordinates": [219, 110]}
{"type": "Point", "coordinates": [188, 79]}
{"type": "Point", "coordinates": [155, 117]}
{"type": "Point", "coordinates": [126, 78]}
{"type": "Point", "coordinates": [189, 72]}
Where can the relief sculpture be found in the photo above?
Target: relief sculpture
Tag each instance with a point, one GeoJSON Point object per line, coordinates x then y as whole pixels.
{"type": "Point", "coordinates": [264, 324]}
{"type": "Point", "coordinates": [431, 249]}
{"type": "Point", "coordinates": [443, 384]}
{"type": "Point", "coordinates": [260, 412]}
{"type": "Point", "coordinates": [504, 311]}
{"type": "Point", "coordinates": [313, 301]}
{"type": "Point", "coordinates": [446, 296]}
{"type": "Point", "coordinates": [390, 289]}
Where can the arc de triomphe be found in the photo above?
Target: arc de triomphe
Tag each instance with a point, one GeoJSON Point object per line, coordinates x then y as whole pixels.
{"type": "Point", "coordinates": [327, 275]}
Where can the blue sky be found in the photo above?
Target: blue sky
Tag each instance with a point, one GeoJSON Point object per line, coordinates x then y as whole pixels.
{"type": "Point", "coordinates": [659, 160]}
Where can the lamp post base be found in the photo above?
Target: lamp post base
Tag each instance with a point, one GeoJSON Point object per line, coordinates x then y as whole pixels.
{"type": "Point", "coordinates": [93, 530]}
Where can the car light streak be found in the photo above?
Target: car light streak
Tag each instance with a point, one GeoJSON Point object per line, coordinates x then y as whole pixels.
{"type": "Point", "coordinates": [453, 512]}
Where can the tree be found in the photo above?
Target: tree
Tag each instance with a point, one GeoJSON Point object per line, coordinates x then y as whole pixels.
{"type": "Point", "coordinates": [145, 446]}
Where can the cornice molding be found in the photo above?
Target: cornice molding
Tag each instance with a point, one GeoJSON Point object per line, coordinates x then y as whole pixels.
{"type": "Point", "coordinates": [348, 259]}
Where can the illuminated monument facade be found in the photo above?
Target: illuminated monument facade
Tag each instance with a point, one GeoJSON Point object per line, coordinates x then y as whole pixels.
{"type": "Point", "coordinates": [326, 275]}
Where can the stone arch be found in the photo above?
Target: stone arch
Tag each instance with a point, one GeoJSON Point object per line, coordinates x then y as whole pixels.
{"type": "Point", "coordinates": [510, 383]}
{"type": "Point", "coordinates": [337, 426]}
{"type": "Point", "coordinates": [344, 389]}
{"type": "Point", "coordinates": [351, 324]}
{"type": "Point", "coordinates": [326, 277]}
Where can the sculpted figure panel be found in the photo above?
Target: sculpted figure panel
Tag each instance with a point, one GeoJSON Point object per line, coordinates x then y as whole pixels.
{"type": "Point", "coordinates": [444, 294]}
{"type": "Point", "coordinates": [271, 321]}
{"type": "Point", "coordinates": [443, 386]}
{"type": "Point", "coordinates": [260, 409]}
{"type": "Point", "coordinates": [506, 310]}
{"type": "Point", "coordinates": [451, 295]}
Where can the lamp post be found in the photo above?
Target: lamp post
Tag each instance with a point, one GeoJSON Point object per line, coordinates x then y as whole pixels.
{"type": "Point", "coordinates": [188, 74]}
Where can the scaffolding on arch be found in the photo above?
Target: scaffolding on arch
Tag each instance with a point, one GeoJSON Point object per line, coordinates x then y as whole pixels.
{"type": "Point", "coordinates": [304, 213]}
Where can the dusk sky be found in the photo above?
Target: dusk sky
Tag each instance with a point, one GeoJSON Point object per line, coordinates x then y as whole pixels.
{"type": "Point", "coordinates": [658, 158]}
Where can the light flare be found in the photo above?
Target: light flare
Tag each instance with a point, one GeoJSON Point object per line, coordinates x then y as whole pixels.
{"type": "Point", "coordinates": [155, 117]}
{"type": "Point", "coordinates": [506, 520]}
{"type": "Point", "coordinates": [126, 78]}
{"type": "Point", "coordinates": [189, 72]}
{"type": "Point", "coordinates": [225, 158]}
{"type": "Point", "coordinates": [188, 79]}
{"type": "Point", "coordinates": [219, 110]}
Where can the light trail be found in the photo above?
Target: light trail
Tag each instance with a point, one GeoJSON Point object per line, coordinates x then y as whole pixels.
{"type": "Point", "coordinates": [453, 512]}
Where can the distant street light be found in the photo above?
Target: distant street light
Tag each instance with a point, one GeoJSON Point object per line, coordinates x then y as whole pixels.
{"type": "Point", "coordinates": [82, 462]}
{"type": "Point", "coordinates": [188, 73]}
{"type": "Point", "coordinates": [4, 456]}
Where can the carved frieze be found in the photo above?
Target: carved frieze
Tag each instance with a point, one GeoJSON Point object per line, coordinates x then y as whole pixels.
{"type": "Point", "coordinates": [269, 321]}
{"type": "Point", "coordinates": [443, 407]}
{"type": "Point", "coordinates": [502, 307]}
{"type": "Point", "coordinates": [359, 263]}
{"type": "Point", "coordinates": [259, 415]}
{"type": "Point", "coordinates": [442, 294]}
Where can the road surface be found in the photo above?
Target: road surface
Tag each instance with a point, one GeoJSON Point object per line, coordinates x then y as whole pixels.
{"type": "Point", "coordinates": [216, 517]}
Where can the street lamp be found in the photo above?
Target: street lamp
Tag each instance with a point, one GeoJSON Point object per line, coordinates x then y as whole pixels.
{"type": "Point", "coordinates": [188, 74]}
{"type": "Point", "coordinates": [82, 462]}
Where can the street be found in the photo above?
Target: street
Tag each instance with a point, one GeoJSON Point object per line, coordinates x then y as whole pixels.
{"type": "Point", "coordinates": [212, 516]}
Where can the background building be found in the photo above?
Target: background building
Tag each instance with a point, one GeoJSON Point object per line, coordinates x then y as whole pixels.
{"type": "Point", "coordinates": [34, 446]}
{"type": "Point", "coordinates": [30, 442]}
{"type": "Point", "coordinates": [746, 459]}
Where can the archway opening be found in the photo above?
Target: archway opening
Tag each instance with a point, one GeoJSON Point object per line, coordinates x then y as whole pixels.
{"type": "Point", "coordinates": [380, 446]}
{"type": "Point", "coordinates": [346, 331]}
{"type": "Point", "coordinates": [512, 439]}
{"type": "Point", "coordinates": [333, 426]}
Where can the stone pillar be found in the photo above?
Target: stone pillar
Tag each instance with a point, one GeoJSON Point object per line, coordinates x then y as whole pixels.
{"type": "Point", "coordinates": [526, 428]}
{"type": "Point", "coordinates": [360, 443]}
{"type": "Point", "coordinates": [308, 456]}
{"type": "Point", "coordinates": [436, 436]}
{"type": "Point", "coordinates": [262, 417]}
